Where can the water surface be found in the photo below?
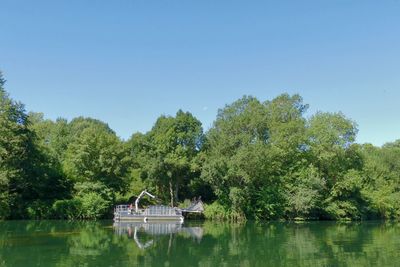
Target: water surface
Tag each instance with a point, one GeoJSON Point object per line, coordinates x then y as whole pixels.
{"type": "Point", "coordinates": [61, 243]}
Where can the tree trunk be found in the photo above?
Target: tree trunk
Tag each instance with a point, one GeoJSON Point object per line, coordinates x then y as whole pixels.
{"type": "Point", "coordinates": [176, 191]}
{"type": "Point", "coordinates": [171, 192]}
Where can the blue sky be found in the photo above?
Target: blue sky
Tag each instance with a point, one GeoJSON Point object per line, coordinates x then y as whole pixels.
{"type": "Point", "coordinates": [127, 62]}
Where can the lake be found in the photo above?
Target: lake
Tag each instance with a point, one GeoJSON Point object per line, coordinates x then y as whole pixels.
{"type": "Point", "coordinates": [62, 243]}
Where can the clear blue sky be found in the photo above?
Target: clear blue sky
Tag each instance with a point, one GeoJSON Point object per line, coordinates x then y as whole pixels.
{"type": "Point", "coordinates": [127, 62]}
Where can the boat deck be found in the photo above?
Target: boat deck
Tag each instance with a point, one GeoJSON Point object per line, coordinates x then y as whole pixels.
{"type": "Point", "coordinates": [152, 213]}
{"type": "Point", "coordinates": [155, 213]}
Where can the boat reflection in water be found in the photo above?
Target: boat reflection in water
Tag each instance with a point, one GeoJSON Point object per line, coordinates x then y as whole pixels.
{"type": "Point", "coordinates": [145, 234]}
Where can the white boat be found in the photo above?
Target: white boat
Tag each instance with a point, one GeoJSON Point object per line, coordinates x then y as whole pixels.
{"type": "Point", "coordinates": [153, 213]}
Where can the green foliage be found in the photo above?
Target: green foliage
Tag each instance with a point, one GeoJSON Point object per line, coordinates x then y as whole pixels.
{"type": "Point", "coordinates": [330, 142]}
{"type": "Point", "coordinates": [39, 209]}
{"type": "Point", "coordinates": [5, 210]}
{"type": "Point", "coordinates": [95, 199]}
{"type": "Point", "coordinates": [97, 156]}
{"type": "Point", "coordinates": [304, 193]}
{"type": "Point", "coordinates": [24, 172]}
{"type": "Point", "coordinates": [67, 209]}
{"type": "Point", "coordinates": [93, 206]}
{"type": "Point", "coordinates": [259, 160]}
{"type": "Point", "coordinates": [90, 201]}
{"type": "Point", "coordinates": [185, 203]}
{"type": "Point", "coordinates": [251, 147]}
{"type": "Point", "coordinates": [382, 179]}
{"type": "Point", "coordinates": [165, 156]}
{"type": "Point", "coordinates": [268, 203]}
{"type": "Point", "coordinates": [215, 211]}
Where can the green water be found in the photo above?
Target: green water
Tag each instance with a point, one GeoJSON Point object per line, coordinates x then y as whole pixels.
{"type": "Point", "coordinates": [60, 243]}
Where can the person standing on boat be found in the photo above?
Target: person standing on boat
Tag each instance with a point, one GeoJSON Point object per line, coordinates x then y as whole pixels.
{"type": "Point", "coordinates": [130, 208]}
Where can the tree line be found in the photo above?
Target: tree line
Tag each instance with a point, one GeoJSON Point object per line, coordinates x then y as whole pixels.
{"type": "Point", "coordinates": [261, 160]}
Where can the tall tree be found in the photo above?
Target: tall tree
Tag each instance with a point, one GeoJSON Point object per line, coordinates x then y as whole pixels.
{"type": "Point", "coordinates": [381, 173]}
{"type": "Point", "coordinates": [24, 174]}
{"type": "Point", "coordinates": [250, 148]}
{"type": "Point", "coordinates": [331, 138]}
{"type": "Point", "coordinates": [97, 155]}
{"type": "Point", "coordinates": [168, 152]}
{"type": "Point", "coordinates": [54, 135]}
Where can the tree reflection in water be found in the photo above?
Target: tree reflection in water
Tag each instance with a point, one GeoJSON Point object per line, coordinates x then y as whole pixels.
{"type": "Point", "coordinates": [58, 243]}
{"type": "Point", "coordinates": [141, 232]}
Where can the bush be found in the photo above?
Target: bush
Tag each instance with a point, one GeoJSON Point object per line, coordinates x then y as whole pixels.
{"type": "Point", "coordinates": [385, 203]}
{"type": "Point", "coordinates": [268, 203]}
{"type": "Point", "coordinates": [67, 209]}
{"type": "Point", "coordinates": [91, 201]}
{"type": "Point", "coordinates": [4, 208]}
{"type": "Point", "coordinates": [215, 211]}
{"type": "Point", "coordinates": [343, 210]}
{"type": "Point", "coordinates": [93, 206]}
{"type": "Point", "coordinates": [39, 210]}
{"type": "Point", "coordinates": [186, 203]}
{"type": "Point", "coordinates": [304, 193]}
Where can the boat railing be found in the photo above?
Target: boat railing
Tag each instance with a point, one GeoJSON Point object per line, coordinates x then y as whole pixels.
{"type": "Point", "coordinates": [162, 210]}
{"type": "Point", "coordinates": [121, 208]}
{"type": "Point", "coordinates": [127, 209]}
{"type": "Point", "coordinates": [152, 210]}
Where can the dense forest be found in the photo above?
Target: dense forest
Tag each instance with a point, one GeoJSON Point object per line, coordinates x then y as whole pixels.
{"type": "Point", "coordinates": [260, 160]}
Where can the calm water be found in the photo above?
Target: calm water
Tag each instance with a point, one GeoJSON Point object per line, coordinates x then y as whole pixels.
{"type": "Point", "coordinates": [60, 243]}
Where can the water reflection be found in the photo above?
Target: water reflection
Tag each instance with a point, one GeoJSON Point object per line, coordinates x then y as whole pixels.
{"type": "Point", "coordinates": [145, 234]}
{"type": "Point", "coordinates": [58, 243]}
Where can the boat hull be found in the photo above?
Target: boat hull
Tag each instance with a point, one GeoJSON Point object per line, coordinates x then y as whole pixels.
{"type": "Point", "coordinates": [147, 218]}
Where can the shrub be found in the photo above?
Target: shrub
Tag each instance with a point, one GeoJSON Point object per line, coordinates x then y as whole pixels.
{"type": "Point", "coordinates": [215, 211]}
{"type": "Point", "coordinates": [4, 208]}
{"type": "Point", "coordinates": [186, 203]}
{"type": "Point", "coordinates": [343, 210]}
{"type": "Point", "coordinates": [39, 209]}
{"type": "Point", "coordinates": [93, 206]}
{"type": "Point", "coordinates": [67, 209]}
